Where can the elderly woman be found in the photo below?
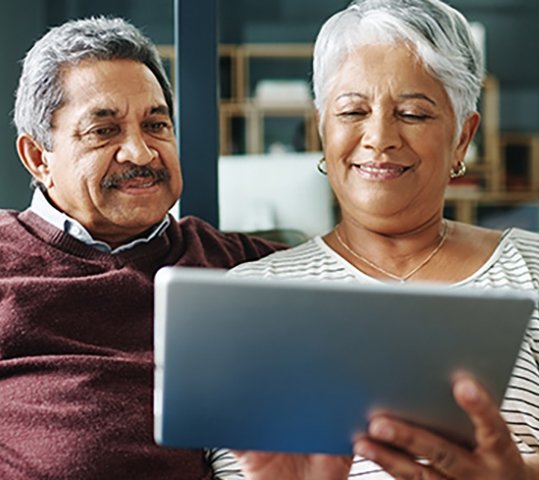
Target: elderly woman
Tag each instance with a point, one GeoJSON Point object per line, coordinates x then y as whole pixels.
{"type": "Point", "coordinates": [396, 85]}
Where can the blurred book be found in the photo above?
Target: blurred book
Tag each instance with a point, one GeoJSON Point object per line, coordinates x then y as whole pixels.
{"type": "Point", "coordinates": [283, 93]}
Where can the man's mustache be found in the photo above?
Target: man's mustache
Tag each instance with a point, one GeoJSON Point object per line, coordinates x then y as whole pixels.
{"type": "Point", "coordinates": [115, 179]}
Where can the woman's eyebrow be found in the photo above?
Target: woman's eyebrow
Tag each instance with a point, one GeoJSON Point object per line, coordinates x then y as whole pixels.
{"type": "Point", "coordinates": [352, 94]}
{"type": "Point", "coordinates": [419, 96]}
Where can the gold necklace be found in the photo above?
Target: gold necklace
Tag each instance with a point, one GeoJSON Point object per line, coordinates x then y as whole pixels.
{"type": "Point", "coordinates": [386, 273]}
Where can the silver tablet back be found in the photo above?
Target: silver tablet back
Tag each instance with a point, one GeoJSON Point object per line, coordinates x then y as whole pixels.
{"type": "Point", "coordinates": [297, 366]}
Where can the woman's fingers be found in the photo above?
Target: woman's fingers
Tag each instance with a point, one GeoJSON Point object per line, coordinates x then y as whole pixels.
{"type": "Point", "coordinates": [288, 466]}
{"type": "Point", "coordinates": [491, 432]}
{"type": "Point", "coordinates": [404, 450]}
{"type": "Point", "coordinates": [442, 458]}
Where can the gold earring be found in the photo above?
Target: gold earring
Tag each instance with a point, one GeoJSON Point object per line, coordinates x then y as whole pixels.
{"type": "Point", "coordinates": [459, 171]}
{"type": "Point", "coordinates": [320, 166]}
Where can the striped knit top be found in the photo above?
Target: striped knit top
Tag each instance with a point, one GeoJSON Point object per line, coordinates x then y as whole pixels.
{"type": "Point", "coordinates": [514, 264]}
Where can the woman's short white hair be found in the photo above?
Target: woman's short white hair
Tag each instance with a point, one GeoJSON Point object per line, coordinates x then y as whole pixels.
{"type": "Point", "coordinates": [438, 34]}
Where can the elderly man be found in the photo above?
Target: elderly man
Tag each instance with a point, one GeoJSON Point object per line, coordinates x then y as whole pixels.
{"type": "Point", "coordinates": [93, 113]}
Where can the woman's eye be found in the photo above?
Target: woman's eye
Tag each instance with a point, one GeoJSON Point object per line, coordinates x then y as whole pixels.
{"type": "Point", "coordinates": [353, 113]}
{"type": "Point", "coordinates": [414, 117]}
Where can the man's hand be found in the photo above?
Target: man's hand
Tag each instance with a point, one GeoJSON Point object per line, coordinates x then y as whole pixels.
{"type": "Point", "coordinates": [273, 466]}
{"type": "Point", "coordinates": [496, 456]}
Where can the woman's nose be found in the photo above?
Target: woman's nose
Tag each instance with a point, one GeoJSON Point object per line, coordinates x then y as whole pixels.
{"type": "Point", "coordinates": [381, 133]}
{"type": "Point", "coordinates": [134, 149]}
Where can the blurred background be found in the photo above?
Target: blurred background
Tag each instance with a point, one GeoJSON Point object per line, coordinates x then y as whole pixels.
{"type": "Point", "coordinates": [268, 141]}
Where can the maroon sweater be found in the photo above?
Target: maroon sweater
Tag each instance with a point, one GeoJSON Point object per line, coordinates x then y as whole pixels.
{"type": "Point", "coordinates": [76, 350]}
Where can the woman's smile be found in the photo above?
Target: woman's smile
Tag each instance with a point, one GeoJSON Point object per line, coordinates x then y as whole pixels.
{"type": "Point", "coordinates": [380, 170]}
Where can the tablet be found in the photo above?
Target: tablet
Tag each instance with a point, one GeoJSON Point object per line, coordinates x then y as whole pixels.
{"type": "Point", "coordinates": [301, 366]}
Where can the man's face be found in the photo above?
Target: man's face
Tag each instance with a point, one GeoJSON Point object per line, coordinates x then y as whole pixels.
{"type": "Point", "coordinates": [114, 165]}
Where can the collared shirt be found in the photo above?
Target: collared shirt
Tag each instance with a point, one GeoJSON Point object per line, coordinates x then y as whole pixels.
{"type": "Point", "coordinates": [42, 207]}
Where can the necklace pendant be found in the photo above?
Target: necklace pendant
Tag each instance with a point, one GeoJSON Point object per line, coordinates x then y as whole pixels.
{"type": "Point", "coordinates": [403, 281]}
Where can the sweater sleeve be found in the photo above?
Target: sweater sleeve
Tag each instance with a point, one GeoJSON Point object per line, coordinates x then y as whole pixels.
{"type": "Point", "coordinates": [207, 247]}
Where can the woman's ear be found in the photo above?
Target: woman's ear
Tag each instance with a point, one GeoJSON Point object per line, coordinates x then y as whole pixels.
{"type": "Point", "coordinates": [468, 132]}
{"type": "Point", "coordinates": [34, 157]}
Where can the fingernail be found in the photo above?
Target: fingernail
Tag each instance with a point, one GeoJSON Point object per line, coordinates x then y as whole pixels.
{"type": "Point", "coordinates": [382, 430]}
{"type": "Point", "coordinates": [469, 390]}
{"type": "Point", "coordinates": [363, 450]}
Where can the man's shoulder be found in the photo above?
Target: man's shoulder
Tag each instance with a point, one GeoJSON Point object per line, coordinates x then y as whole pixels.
{"type": "Point", "coordinates": [195, 225]}
{"type": "Point", "coordinates": [15, 244]}
{"type": "Point", "coordinates": [8, 216]}
{"type": "Point", "coordinates": [9, 224]}
{"type": "Point", "coordinates": [206, 246]}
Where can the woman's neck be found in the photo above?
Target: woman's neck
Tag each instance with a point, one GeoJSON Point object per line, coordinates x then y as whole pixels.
{"type": "Point", "coordinates": [393, 254]}
{"type": "Point", "coordinates": [438, 250]}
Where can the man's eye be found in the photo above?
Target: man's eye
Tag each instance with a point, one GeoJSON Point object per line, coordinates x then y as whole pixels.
{"type": "Point", "coordinates": [104, 131]}
{"type": "Point", "coordinates": [157, 126]}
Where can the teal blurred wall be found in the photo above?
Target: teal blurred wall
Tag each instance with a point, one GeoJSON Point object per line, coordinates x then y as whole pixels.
{"type": "Point", "coordinates": [512, 46]}
{"type": "Point", "coordinates": [21, 21]}
{"type": "Point", "coordinates": [512, 41]}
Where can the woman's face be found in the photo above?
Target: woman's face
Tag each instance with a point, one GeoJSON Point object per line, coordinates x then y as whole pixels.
{"type": "Point", "coordinates": [389, 137]}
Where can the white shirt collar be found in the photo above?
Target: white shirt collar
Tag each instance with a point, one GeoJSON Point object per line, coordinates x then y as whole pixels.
{"type": "Point", "coordinates": [41, 206]}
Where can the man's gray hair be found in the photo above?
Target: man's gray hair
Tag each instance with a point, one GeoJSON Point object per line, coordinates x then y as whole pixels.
{"type": "Point", "coordinates": [40, 92]}
{"type": "Point", "coordinates": [438, 34]}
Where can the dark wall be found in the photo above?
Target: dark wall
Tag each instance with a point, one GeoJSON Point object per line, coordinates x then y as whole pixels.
{"type": "Point", "coordinates": [14, 41]}
{"type": "Point", "coordinates": [512, 43]}
{"type": "Point", "coordinates": [154, 17]}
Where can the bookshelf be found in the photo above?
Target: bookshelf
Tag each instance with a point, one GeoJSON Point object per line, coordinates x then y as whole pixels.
{"type": "Point", "coordinates": [487, 183]}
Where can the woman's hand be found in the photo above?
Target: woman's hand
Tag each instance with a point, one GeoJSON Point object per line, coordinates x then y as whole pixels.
{"type": "Point", "coordinates": [496, 456]}
{"type": "Point", "coordinates": [281, 466]}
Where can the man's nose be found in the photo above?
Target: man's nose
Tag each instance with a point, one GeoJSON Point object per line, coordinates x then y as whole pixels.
{"type": "Point", "coordinates": [381, 132]}
{"type": "Point", "coordinates": [134, 149]}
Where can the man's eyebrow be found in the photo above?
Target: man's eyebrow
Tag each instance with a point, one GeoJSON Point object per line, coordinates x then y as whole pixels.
{"type": "Point", "coordinates": [97, 113]}
{"type": "Point", "coordinates": [159, 110]}
{"type": "Point", "coordinates": [102, 113]}
{"type": "Point", "coordinates": [419, 96]}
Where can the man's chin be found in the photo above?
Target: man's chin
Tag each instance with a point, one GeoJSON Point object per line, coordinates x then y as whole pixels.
{"type": "Point", "coordinates": [132, 222]}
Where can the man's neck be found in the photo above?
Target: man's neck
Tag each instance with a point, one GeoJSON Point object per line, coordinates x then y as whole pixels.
{"type": "Point", "coordinates": [42, 206]}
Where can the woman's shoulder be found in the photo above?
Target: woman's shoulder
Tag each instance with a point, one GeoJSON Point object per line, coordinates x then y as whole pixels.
{"type": "Point", "coordinates": [493, 255]}
{"type": "Point", "coordinates": [522, 237]}
{"type": "Point", "coordinates": [278, 261]}
{"type": "Point", "coordinates": [499, 244]}
{"type": "Point", "coordinates": [518, 252]}
{"type": "Point", "coordinates": [310, 259]}
{"type": "Point", "coordinates": [524, 241]}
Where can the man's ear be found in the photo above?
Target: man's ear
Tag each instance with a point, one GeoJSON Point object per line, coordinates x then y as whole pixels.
{"type": "Point", "coordinates": [34, 157]}
{"type": "Point", "coordinates": [468, 131]}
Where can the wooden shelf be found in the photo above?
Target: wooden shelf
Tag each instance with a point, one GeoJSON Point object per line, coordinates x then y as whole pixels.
{"type": "Point", "coordinates": [490, 169]}
{"type": "Point", "coordinates": [529, 141]}
{"type": "Point", "coordinates": [240, 105]}
{"type": "Point", "coordinates": [254, 114]}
